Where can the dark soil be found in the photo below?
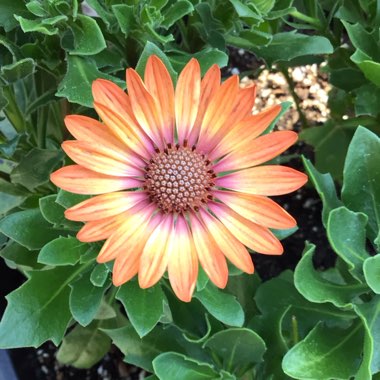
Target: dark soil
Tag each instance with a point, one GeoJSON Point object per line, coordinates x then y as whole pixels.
{"type": "Point", "coordinates": [304, 205]}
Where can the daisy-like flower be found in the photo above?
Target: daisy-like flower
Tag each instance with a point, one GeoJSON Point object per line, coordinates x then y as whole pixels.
{"type": "Point", "coordinates": [177, 176]}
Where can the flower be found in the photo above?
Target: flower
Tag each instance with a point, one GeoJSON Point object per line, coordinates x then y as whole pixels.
{"type": "Point", "coordinates": [177, 176]}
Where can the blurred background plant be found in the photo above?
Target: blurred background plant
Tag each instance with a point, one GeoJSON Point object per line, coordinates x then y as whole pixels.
{"type": "Point", "coordinates": [314, 324]}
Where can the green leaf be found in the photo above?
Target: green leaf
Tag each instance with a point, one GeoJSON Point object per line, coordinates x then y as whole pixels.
{"type": "Point", "coordinates": [371, 269]}
{"type": "Point", "coordinates": [66, 199]}
{"type": "Point", "coordinates": [137, 301]}
{"type": "Point", "coordinates": [125, 16]}
{"type": "Point", "coordinates": [175, 12]}
{"type": "Point", "coordinates": [329, 156]}
{"type": "Point", "coordinates": [54, 212]}
{"type": "Point", "coordinates": [288, 45]}
{"type": "Point", "coordinates": [99, 275]}
{"type": "Point", "coordinates": [325, 187]}
{"type": "Point", "coordinates": [28, 228]}
{"type": "Point", "coordinates": [62, 251]}
{"type": "Point", "coordinates": [30, 173]}
{"type": "Point", "coordinates": [85, 299]}
{"type": "Point", "coordinates": [362, 40]}
{"type": "Point", "coordinates": [173, 366]}
{"type": "Point", "coordinates": [84, 346]}
{"type": "Point", "coordinates": [284, 108]}
{"type": "Point", "coordinates": [18, 70]}
{"type": "Point", "coordinates": [264, 6]}
{"type": "Point", "coordinates": [44, 26]}
{"type": "Point", "coordinates": [371, 70]}
{"type": "Point", "coordinates": [325, 353]}
{"type": "Point", "coordinates": [370, 315]}
{"type": "Point", "coordinates": [10, 196]}
{"type": "Point", "coordinates": [367, 100]}
{"type": "Point", "coordinates": [221, 305]}
{"type": "Point", "coordinates": [88, 37]}
{"type": "Point", "coordinates": [76, 85]}
{"type": "Point", "coordinates": [346, 231]}
{"type": "Point", "coordinates": [141, 351]}
{"type": "Point", "coordinates": [19, 255]}
{"type": "Point", "coordinates": [237, 348]}
{"type": "Point", "coordinates": [206, 58]}
{"type": "Point", "coordinates": [151, 49]}
{"type": "Point", "coordinates": [316, 288]}
{"type": "Point", "coordinates": [244, 10]}
{"type": "Point", "coordinates": [39, 310]}
{"type": "Point", "coordinates": [8, 9]}
{"type": "Point", "coordinates": [361, 185]}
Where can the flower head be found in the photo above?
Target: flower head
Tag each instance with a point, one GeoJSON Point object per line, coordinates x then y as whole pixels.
{"type": "Point", "coordinates": [177, 176]}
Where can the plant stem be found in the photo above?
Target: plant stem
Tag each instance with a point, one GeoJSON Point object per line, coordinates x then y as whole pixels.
{"type": "Point", "coordinates": [296, 337]}
{"type": "Point", "coordinates": [182, 29]}
{"type": "Point", "coordinates": [310, 20]}
{"type": "Point", "coordinates": [296, 98]}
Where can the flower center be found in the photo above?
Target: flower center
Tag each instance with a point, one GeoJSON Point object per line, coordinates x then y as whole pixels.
{"type": "Point", "coordinates": [179, 179]}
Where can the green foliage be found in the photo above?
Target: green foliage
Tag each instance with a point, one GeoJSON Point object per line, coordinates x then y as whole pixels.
{"type": "Point", "coordinates": [315, 324]}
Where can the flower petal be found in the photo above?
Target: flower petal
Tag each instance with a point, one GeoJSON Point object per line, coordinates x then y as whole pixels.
{"type": "Point", "coordinates": [133, 219]}
{"type": "Point", "coordinates": [114, 98]}
{"type": "Point", "coordinates": [104, 206]}
{"type": "Point", "coordinates": [209, 254]}
{"type": "Point", "coordinates": [183, 261]}
{"type": "Point", "coordinates": [145, 108]}
{"type": "Point", "coordinates": [79, 180]}
{"type": "Point", "coordinates": [260, 150]}
{"type": "Point", "coordinates": [245, 131]}
{"type": "Point", "coordinates": [255, 237]}
{"type": "Point", "coordinates": [159, 83]}
{"type": "Point", "coordinates": [209, 86]}
{"type": "Point", "coordinates": [187, 97]}
{"type": "Point", "coordinates": [100, 229]}
{"type": "Point", "coordinates": [218, 111]}
{"type": "Point", "coordinates": [100, 158]}
{"type": "Point", "coordinates": [256, 208]}
{"type": "Point", "coordinates": [154, 258]}
{"type": "Point", "coordinates": [123, 131]}
{"type": "Point", "coordinates": [127, 262]}
{"type": "Point", "coordinates": [264, 180]}
{"type": "Point", "coordinates": [228, 244]}
{"type": "Point", "coordinates": [86, 129]}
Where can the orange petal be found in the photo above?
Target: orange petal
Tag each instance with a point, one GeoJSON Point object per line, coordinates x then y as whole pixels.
{"type": "Point", "coordinates": [255, 237]}
{"type": "Point", "coordinates": [187, 97]}
{"type": "Point", "coordinates": [123, 131]}
{"type": "Point", "coordinates": [256, 152]}
{"type": "Point", "coordinates": [104, 206]}
{"type": "Point", "coordinates": [133, 219]}
{"type": "Point", "coordinates": [183, 261]}
{"type": "Point", "coordinates": [100, 229]}
{"type": "Point", "coordinates": [100, 158]}
{"type": "Point", "coordinates": [256, 208]}
{"type": "Point", "coordinates": [264, 180]}
{"type": "Point", "coordinates": [218, 112]}
{"type": "Point", "coordinates": [209, 254]}
{"type": "Point", "coordinates": [127, 262]}
{"type": "Point", "coordinates": [114, 98]}
{"type": "Point", "coordinates": [245, 131]}
{"type": "Point", "coordinates": [154, 259]}
{"type": "Point", "coordinates": [228, 244]}
{"type": "Point", "coordinates": [159, 84]}
{"type": "Point", "coordinates": [144, 108]}
{"type": "Point", "coordinates": [84, 128]}
{"type": "Point", "coordinates": [209, 86]}
{"type": "Point", "coordinates": [79, 180]}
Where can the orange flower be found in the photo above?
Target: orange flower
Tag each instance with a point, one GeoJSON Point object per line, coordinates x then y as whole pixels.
{"type": "Point", "coordinates": [178, 176]}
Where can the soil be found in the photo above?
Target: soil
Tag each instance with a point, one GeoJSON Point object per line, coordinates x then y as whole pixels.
{"type": "Point", "coordinates": [304, 205]}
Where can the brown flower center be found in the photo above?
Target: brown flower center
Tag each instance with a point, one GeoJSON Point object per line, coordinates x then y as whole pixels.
{"type": "Point", "coordinates": [179, 179]}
